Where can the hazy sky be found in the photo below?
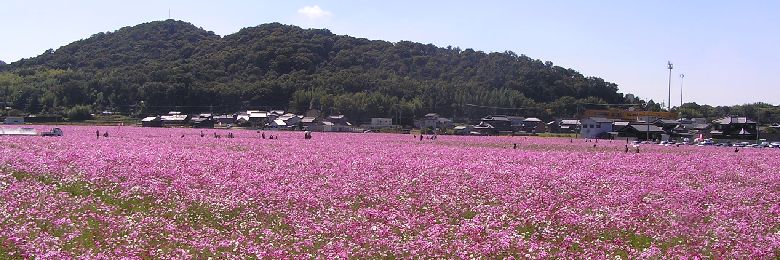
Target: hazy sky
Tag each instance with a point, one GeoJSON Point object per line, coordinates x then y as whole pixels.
{"type": "Point", "coordinates": [728, 51]}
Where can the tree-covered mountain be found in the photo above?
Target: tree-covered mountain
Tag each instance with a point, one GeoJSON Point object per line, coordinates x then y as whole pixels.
{"type": "Point", "coordinates": [173, 65]}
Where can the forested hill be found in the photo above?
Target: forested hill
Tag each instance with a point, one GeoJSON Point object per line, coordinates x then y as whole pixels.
{"type": "Point", "coordinates": [175, 65]}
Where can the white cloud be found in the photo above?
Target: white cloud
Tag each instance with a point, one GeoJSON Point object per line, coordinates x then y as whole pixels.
{"type": "Point", "coordinates": [314, 12]}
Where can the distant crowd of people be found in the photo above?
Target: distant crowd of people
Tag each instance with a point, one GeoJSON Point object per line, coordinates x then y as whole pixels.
{"type": "Point", "coordinates": [431, 137]}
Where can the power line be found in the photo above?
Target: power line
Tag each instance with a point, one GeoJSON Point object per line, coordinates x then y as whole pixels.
{"type": "Point", "coordinates": [508, 108]}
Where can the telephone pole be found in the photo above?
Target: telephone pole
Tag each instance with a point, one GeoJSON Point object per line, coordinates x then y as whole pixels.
{"type": "Point", "coordinates": [669, 105]}
{"type": "Point", "coordinates": [682, 77]}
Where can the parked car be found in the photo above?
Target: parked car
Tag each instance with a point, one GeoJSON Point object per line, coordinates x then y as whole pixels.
{"type": "Point", "coordinates": [774, 144]}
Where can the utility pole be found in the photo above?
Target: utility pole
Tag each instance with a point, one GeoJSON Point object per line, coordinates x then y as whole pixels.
{"type": "Point", "coordinates": [669, 105]}
{"type": "Point", "coordinates": [682, 77]}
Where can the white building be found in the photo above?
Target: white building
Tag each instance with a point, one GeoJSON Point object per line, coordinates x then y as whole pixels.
{"type": "Point", "coordinates": [12, 120]}
{"type": "Point", "coordinates": [380, 121]}
{"type": "Point", "coordinates": [18, 131]}
{"type": "Point", "coordinates": [593, 127]}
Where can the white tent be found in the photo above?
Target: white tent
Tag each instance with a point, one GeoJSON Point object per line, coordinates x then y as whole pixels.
{"type": "Point", "coordinates": [18, 131]}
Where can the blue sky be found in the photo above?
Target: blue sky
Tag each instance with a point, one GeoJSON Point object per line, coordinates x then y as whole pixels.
{"type": "Point", "coordinates": [728, 51]}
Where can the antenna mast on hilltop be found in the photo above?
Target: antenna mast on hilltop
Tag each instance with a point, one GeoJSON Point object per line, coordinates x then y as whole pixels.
{"type": "Point", "coordinates": [169, 13]}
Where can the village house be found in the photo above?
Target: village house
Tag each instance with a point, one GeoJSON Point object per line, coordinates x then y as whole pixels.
{"type": "Point", "coordinates": [465, 130]}
{"type": "Point", "coordinates": [339, 120]}
{"type": "Point", "coordinates": [666, 124]}
{"type": "Point", "coordinates": [336, 123]}
{"type": "Point", "coordinates": [291, 120]}
{"type": "Point", "coordinates": [273, 114]}
{"type": "Point", "coordinates": [564, 126]}
{"type": "Point", "coordinates": [596, 127]}
{"type": "Point", "coordinates": [493, 125]}
{"type": "Point", "coordinates": [174, 118]}
{"type": "Point", "coordinates": [309, 121]}
{"type": "Point", "coordinates": [278, 124]}
{"type": "Point", "coordinates": [516, 123]}
{"type": "Point", "coordinates": [433, 121]}
{"type": "Point", "coordinates": [202, 121]}
{"type": "Point", "coordinates": [258, 118]}
{"type": "Point", "coordinates": [642, 131]}
{"type": "Point", "coordinates": [225, 119]}
{"type": "Point", "coordinates": [152, 121]}
{"type": "Point", "coordinates": [379, 123]}
{"type": "Point", "coordinates": [533, 125]}
{"type": "Point", "coordinates": [618, 126]}
{"type": "Point", "coordinates": [740, 128]}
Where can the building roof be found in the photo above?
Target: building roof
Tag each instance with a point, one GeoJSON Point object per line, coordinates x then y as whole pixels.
{"type": "Point", "coordinates": [280, 122]}
{"type": "Point", "coordinates": [431, 115]}
{"type": "Point", "coordinates": [700, 126]}
{"type": "Point", "coordinates": [570, 122]}
{"type": "Point", "coordinates": [647, 128]}
{"type": "Point", "coordinates": [287, 117]}
{"type": "Point", "coordinates": [483, 126]}
{"type": "Point", "coordinates": [495, 118]}
{"type": "Point", "coordinates": [600, 119]}
{"type": "Point", "coordinates": [327, 123]}
{"type": "Point", "coordinates": [200, 120]}
{"type": "Point", "coordinates": [734, 120]}
{"type": "Point", "coordinates": [667, 122]}
{"type": "Point", "coordinates": [174, 118]}
{"type": "Point", "coordinates": [532, 119]}
{"type": "Point", "coordinates": [258, 114]}
{"type": "Point", "coordinates": [308, 119]}
{"type": "Point", "coordinates": [150, 119]}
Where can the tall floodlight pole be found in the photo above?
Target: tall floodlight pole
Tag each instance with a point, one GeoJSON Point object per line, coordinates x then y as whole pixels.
{"type": "Point", "coordinates": [682, 77]}
{"type": "Point", "coordinates": [669, 105]}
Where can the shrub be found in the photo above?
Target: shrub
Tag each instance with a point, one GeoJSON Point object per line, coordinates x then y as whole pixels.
{"type": "Point", "coordinates": [79, 113]}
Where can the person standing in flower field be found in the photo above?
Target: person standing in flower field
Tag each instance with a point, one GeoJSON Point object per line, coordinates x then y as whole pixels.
{"type": "Point", "coordinates": [97, 132]}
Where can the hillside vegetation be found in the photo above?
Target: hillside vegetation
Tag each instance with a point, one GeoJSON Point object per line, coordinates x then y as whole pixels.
{"type": "Point", "coordinates": [173, 65]}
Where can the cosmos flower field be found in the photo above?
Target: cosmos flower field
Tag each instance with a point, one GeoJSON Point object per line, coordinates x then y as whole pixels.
{"type": "Point", "coordinates": [170, 193]}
